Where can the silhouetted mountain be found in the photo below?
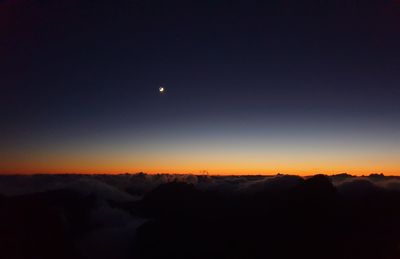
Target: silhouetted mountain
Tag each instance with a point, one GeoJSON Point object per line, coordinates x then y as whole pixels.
{"type": "Point", "coordinates": [377, 176]}
{"type": "Point", "coordinates": [177, 216]}
{"type": "Point", "coordinates": [316, 188]}
{"type": "Point", "coordinates": [42, 225]}
{"type": "Point", "coordinates": [175, 198]}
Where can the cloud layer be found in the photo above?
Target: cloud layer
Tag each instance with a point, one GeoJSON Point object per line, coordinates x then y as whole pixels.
{"type": "Point", "coordinates": [169, 216]}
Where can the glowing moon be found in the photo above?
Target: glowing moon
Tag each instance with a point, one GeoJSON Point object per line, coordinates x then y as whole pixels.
{"type": "Point", "coordinates": [161, 89]}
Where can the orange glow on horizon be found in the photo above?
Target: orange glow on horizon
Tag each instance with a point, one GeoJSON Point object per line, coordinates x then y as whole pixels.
{"type": "Point", "coordinates": [239, 161]}
{"type": "Point", "coordinates": [200, 171]}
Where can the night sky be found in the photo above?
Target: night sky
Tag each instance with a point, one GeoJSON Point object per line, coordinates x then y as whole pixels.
{"type": "Point", "coordinates": [251, 86]}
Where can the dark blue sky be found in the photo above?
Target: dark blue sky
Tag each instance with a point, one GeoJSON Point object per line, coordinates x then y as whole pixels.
{"type": "Point", "coordinates": [82, 76]}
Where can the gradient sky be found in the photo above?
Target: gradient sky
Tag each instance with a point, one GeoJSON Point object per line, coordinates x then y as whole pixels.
{"type": "Point", "coordinates": [252, 86]}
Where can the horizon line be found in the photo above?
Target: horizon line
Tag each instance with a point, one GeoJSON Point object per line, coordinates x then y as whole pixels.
{"type": "Point", "coordinates": [195, 174]}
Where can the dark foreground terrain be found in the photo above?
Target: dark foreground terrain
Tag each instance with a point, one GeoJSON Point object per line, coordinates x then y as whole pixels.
{"type": "Point", "coordinates": [186, 216]}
